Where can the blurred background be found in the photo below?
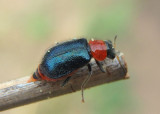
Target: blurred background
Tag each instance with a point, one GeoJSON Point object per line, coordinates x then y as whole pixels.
{"type": "Point", "coordinates": [29, 27]}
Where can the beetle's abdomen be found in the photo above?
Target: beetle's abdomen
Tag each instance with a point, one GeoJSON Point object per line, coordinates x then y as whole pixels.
{"type": "Point", "coordinates": [65, 58]}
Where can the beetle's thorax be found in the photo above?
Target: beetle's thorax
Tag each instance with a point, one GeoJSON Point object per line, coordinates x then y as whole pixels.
{"type": "Point", "coordinates": [98, 49]}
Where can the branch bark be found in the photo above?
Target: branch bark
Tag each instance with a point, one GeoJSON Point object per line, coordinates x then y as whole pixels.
{"type": "Point", "coordinates": [17, 92]}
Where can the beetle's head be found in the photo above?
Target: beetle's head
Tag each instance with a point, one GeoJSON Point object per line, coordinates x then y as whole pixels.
{"type": "Point", "coordinates": [111, 53]}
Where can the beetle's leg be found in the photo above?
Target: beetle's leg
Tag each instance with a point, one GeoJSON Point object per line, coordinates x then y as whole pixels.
{"type": "Point", "coordinates": [86, 80]}
{"type": "Point", "coordinates": [65, 81]}
{"type": "Point", "coordinates": [100, 66]}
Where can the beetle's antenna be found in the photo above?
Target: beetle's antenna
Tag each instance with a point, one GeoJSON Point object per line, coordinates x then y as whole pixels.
{"type": "Point", "coordinates": [85, 81]}
{"type": "Point", "coordinates": [115, 41]}
{"type": "Point", "coordinates": [114, 45]}
{"type": "Point", "coordinates": [115, 48]}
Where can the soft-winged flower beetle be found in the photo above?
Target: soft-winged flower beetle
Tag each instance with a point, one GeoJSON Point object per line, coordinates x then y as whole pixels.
{"type": "Point", "coordinates": [62, 60]}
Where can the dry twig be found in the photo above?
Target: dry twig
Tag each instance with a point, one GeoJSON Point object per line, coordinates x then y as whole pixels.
{"type": "Point", "coordinates": [17, 92]}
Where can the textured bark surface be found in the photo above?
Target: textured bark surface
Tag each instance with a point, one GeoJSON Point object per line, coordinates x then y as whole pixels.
{"type": "Point", "coordinates": [17, 92]}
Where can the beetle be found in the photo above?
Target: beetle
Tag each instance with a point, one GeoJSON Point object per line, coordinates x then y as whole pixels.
{"type": "Point", "coordinates": [65, 58]}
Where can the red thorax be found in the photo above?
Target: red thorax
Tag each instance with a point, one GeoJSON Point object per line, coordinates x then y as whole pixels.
{"type": "Point", "coordinates": [98, 49]}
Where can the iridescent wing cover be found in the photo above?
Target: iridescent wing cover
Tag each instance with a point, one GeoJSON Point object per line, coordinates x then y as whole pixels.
{"type": "Point", "coordinates": [65, 58]}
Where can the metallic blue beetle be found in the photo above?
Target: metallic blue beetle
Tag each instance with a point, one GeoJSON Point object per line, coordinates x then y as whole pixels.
{"type": "Point", "coordinates": [63, 59]}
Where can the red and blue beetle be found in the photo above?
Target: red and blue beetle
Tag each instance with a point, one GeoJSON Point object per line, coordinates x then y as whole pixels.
{"type": "Point", "coordinates": [62, 60]}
